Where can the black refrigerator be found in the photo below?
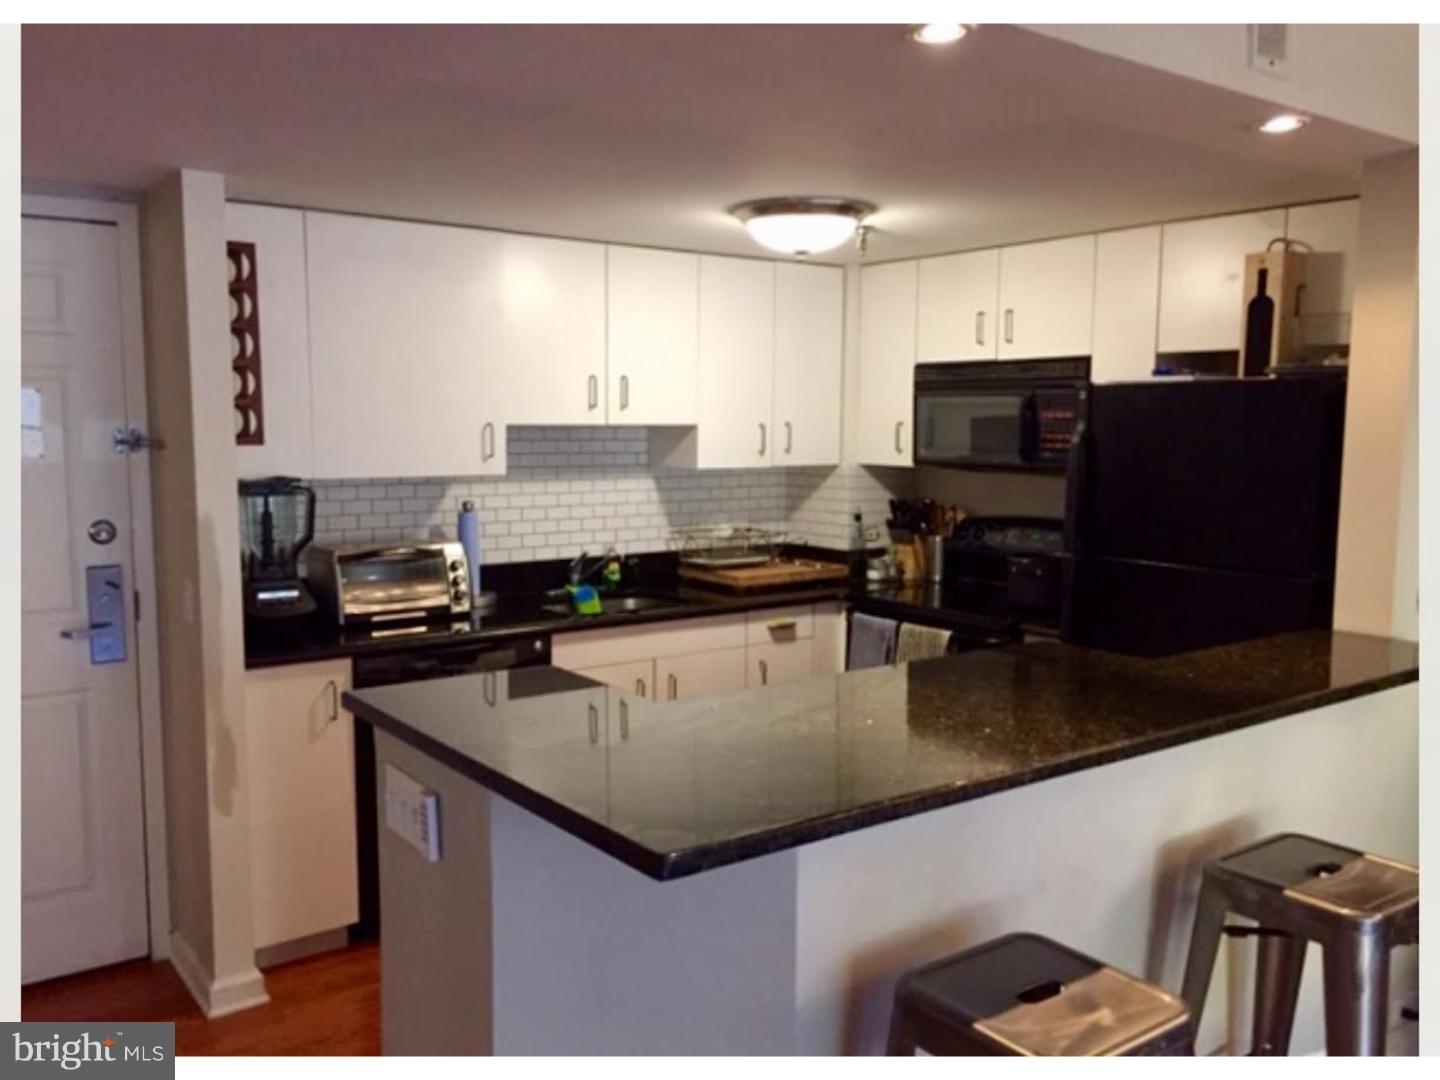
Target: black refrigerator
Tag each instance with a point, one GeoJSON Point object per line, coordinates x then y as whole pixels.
{"type": "Point", "coordinates": [1203, 512]}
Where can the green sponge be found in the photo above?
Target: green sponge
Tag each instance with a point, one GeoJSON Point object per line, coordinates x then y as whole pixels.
{"type": "Point", "coordinates": [585, 599]}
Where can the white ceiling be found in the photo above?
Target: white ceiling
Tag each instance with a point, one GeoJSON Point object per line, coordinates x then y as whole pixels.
{"type": "Point", "coordinates": [644, 134]}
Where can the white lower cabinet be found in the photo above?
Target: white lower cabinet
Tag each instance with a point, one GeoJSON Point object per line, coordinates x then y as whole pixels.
{"type": "Point", "coordinates": [780, 662]}
{"type": "Point", "coordinates": [300, 756]}
{"type": "Point", "coordinates": [634, 677]}
{"type": "Point", "coordinates": [700, 674]}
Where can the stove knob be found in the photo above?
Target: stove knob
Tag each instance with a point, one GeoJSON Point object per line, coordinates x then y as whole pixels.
{"type": "Point", "coordinates": [457, 580]}
{"type": "Point", "coordinates": [459, 595]}
{"type": "Point", "coordinates": [456, 564]}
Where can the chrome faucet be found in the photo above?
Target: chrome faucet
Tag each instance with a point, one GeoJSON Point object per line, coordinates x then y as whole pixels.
{"type": "Point", "coordinates": [578, 573]}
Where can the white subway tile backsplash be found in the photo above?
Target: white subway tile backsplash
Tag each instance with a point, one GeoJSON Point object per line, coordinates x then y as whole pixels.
{"type": "Point", "coordinates": [569, 488]}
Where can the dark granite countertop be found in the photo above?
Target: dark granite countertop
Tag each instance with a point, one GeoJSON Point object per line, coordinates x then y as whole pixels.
{"type": "Point", "coordinates": [674, 788]}
{"type": "Point", "coordinates": [293, 641]}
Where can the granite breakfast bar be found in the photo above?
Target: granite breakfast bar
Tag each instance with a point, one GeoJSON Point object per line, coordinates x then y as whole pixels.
{"type": "Point", "coordinates": [749, 874]}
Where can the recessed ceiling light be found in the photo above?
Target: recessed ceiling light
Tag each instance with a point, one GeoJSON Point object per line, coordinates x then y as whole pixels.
{"type": "Point", "coordinates": [937, 33]}
{"type": "Point", "coordinates": [802, 224]}
{"type": "Point", "coordinates": [1284, 124]}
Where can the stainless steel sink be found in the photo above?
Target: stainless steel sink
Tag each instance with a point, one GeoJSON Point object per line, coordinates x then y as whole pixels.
{"type": "Point", "coordinates": [619, 605]}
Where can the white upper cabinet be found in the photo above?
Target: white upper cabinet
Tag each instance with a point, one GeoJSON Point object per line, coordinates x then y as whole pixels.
{"type": "Point", "coordinates": [279, 238]}
{"type": "Point", "coordinates": [1202, 272]}
{"type": "Point", "coordinates": [653, 336]}
{"type": "Point", "coordinates": [959, 298]}
{"type": "Point", "coordinates": [1047, 293]}
{"type": "Point", "coordinates": [404, 348]}
{"type": "Point", "coordinates": [1330, 235]}
{"type": "Point", "coordinates": [809, 347]}
{"type": "Point", "coordinates": [888, 299]}
{"type": "Point", "coordinates": [1127, 304]}
{"type": "Point", "coordinates": [552, 295]}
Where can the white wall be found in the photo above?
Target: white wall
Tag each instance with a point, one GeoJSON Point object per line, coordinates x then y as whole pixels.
{"type": "Point", "coordinates": [198, 571]}
{"type": "Point", "coordinates": [1366, 75]}
{"type": "Point", "coordinates": [1377, 562]}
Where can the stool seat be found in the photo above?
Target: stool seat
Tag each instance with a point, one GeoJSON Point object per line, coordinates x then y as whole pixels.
{"type": "Point", "coordinates": [1344, 882]}
{"type": "Point", "coordinates": [1027, 995]}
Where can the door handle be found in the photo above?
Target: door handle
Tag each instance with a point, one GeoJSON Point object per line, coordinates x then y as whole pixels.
{"type": "Point", "coordinates": [624, 392]}
{"type": "Point", "coordinates": [1009, 326]}
{"type": "Point", "coordinates": [764, 673]}
{"type": "Point", "coordinates": [899, 428]}
{"type": "Point", "coordinates": [593, 392]}
{"type": "Point", "coordinates": [594, 722]}
{"type": "Point", "coordinates": [487, 441]}
{"type": "Point", "coordinates": [334, 688]}
{"type": "Point", "coordinates": [640, 688]}
{"type": "Point", "coordinates": [674, 683]}
{"type": "Point", "coordinates": [979, 328]}
{"type": "Point", "coordinates": [762, 438]}
{"type": "Point", "coordinates": [624, 719]}
{"type": "Point", "coordinates": [85, 633]}
{"type": "Point", "coordinates": [789, 437]}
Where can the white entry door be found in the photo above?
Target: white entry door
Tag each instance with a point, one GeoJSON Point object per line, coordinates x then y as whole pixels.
{"type": "Point", "coordinates": [82, 824]}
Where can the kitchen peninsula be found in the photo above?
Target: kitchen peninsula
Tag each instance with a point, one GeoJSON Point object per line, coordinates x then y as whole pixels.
{"type": "Point", "coordinates": [749, 873]}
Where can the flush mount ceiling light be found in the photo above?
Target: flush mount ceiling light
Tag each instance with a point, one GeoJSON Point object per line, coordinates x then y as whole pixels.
{"type": "Point", "coordinates": [937, 33]}
{"type": "Point", "coordinates": [1284, 124]}
{"type": "Point", "coordinates": [803, 224]}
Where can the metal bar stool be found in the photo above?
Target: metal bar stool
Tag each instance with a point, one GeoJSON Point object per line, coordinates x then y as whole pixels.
{"type": "Point", "coordinates": [1024, 994]}
{"type": "Point", "coordinates": [1300, 889]}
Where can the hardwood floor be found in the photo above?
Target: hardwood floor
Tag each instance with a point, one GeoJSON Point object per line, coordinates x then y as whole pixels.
{"type": "Point", "coordinates": [327, 1004]}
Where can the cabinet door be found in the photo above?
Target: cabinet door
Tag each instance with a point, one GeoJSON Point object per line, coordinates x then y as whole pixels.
{"type": "Point", "coordinates": [653, 352]}
{"type": "Point", "coordinates": [809, 348]}
{"type": "Point", "coordinates": [1202, 273]}
{"type": "Point", "coordinates": [700, 674]}
{"type": "Point", "coordinates": [958, 302]}
{"type": "Point", "coordinates": [552, 295]}
{"type": "Point", "coordinates": [279, 238]}
{"type": "Point", "coordinates": [1047, 298]}
{"type": "Point", "coordinates": [404, 350]}
{"type": "Point", "coordinates": [1331, 234]}
{"type": "Point", "coordinates": [1127, 304]}
{"type": "Point", "coordinates": [636, 677]}
{"type": "Point", "coordinates": [887, 364]}
{"type": "Point", "coordinates": [737, 362]}
{"type": "Point", "coordinates": [301, 779]}
{"type": "Point", "coordinates": [778, 663]}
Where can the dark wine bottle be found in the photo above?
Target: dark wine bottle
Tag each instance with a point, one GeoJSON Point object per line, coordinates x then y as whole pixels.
{"type": "Point", "coordinates": [1259, 326]}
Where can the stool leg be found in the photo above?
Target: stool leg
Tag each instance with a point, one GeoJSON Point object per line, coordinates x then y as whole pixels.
{"type": "Point", "coordinates": [1281, 962]}
{"type": "Point", "coordinates": [1204, 942]}
{"type": "Point", "coordinates": [1357, 992]}
{"type": "Point", "coordinates": [901, 1042]}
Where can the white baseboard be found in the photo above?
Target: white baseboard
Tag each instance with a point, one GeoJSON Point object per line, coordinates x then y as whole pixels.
{"type": "Point", "coordinates": [216, 997]}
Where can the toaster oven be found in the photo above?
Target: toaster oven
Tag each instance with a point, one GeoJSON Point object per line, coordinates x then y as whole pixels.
{"type": "Point", "coordinates": [390, 583]}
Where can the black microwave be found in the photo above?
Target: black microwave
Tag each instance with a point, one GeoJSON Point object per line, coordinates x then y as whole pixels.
{"type": "Point", "coordinates": [1000, 414]}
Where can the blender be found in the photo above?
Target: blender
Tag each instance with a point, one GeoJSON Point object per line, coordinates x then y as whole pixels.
{"type": "Point", "coordinates": [277, 520]}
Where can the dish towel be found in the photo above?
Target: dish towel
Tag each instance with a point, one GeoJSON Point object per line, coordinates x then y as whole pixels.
{"type": "Point", "coordinates": [920, 643]}
{"type": "Point", "coordinates": [872, 641]}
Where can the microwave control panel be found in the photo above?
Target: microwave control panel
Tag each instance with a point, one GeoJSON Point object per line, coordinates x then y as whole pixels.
{"type": "Point", "coordinates": [1056, 418]}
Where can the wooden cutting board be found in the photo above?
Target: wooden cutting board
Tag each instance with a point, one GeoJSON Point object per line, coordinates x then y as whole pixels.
{"type": "Point", "coordinates": [766, 575]}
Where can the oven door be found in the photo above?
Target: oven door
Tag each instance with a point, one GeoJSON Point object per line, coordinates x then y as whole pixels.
{"type": "Point", "coordinates": [977, 428]}
{"type": "Point", "coordinates": [394, 583]}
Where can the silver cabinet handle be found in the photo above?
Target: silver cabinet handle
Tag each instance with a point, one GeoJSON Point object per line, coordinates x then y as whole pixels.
{"type": "Point", "coordinates": [789, 437]}
{"type": "Point", "coordinates": [85, 633]}
{"type": "Point", "coordinates": [762, 438]}
{"type": "Point", "coordinates": [487, 441]}
{"type": "Point", "coordinates": [674, 683]}
{"type": "Point", "coordinates": [1009, 326]}
{"type": "Point", "coordinates": [899, 430]}
{"type": "Point", "coordinates": [624, 719]}
{"type": "Point", "coordinates": [779, 626]}
{"type": "Point", "coordinates": [764, 673]}
{"type": "Point", "coordinates": [594, 722]}
{"type": "Point", "coordinates": [979, 328]}
{"type": "Point", "coordinates": [334, 688]}
{"type": "Point", "coordinates": [594, 392]}
{"type": "Point", "coordinates": [640, 687]}
{"type": "Point", "coordinates": [624, 392]}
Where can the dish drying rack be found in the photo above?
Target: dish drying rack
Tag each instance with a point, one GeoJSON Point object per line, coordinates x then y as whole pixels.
{"type": "Point", "coordinates": [723, 546]}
